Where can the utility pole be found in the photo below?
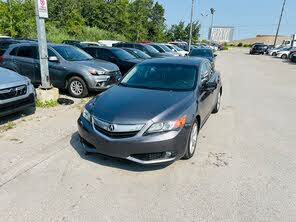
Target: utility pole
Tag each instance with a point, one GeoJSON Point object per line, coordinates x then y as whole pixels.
{"type": "Point", "coordinates": [279, 25]}
{"type": "Point", "coordinates": [212, 22]}
{"type": "Point", "coordinates": [191, 20]}
{"type": "Point", "coordinates": [41, 14]}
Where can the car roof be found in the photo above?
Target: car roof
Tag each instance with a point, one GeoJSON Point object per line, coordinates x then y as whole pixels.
{"type": "Point", "coordinates": [36, 44]}
{"type": "Point", "coordinates": [190, 61]}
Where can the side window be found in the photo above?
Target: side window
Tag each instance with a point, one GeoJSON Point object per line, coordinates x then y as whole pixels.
{"type": "Point", "coordinates": [92, 52]}
{"type": "Point", "coordinates": [104, 54]}
{"type": "Point", "coordinates": [51, 53]}
{"type": "Point", "coordinates": [204, 72]}
{"type": "Point", "coordinates": [28, 52]}
{"type": "Point", "coordinates": [13, 52]}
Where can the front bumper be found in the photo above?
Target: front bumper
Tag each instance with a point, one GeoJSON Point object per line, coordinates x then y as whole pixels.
{"type": "Point", "coordinates": [17, 105]}
{"type": "Point", "coordinates": [151, 149]}
{"type": "Point", "coordinates": [103, 82]}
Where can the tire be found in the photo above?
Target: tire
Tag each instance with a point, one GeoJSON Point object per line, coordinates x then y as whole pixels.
{"type": "Point", "coordinates": [218, 103]}
{"type": "Point", "coordinates": [284, 56]}
{"type": "Point", "coordinates": [192, 143]}
{"type": "Point", "coordinates": [273, 54]}
{"type": "Point", "coordinates": [77, 87]}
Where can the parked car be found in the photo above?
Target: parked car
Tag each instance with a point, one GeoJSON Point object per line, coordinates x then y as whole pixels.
{"type": "Point", "coordinates": [143, 47]}
{"type": "Point", "coordinates": [177, 49]}
{"type": "Point", "coordinates": [137, 53]}
{"type": "Point", "coordinates": [204, 53]}
{"type": "Point", "coordinates": [154, 115]}
{"type": "Point", "coordinates": [257, 49]}
{"type": "Point", "coordinates": [182, 45]}
{"type": "Point", "coordinates": [124, 60]}
{"type": "Point", "coordinates": [69, 67]}
{"type": "Point", "coordinates": [163, 49]}
{"type": "Point", "coordinates": [293, 57]}
{"type": "Point", "coordinates": [274, 51]}
{"type": "Point", "coordinates": [292, 52]}
{"type": "Point", "coordinates": [80, 44]}
{"type": "Point", "coordinates": [108, 43]}
{"type": "Point", "coordinates": [284, 53]}
{"type": "Point", "coordinates": [16, 92]}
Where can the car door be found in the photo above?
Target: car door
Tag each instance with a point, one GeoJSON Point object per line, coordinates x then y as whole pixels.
{"type": "Point", "coordinates": [205, 99]}
{"type": "Point", "coordinates": [57, 72]}
{"type": "Point", "coordinates": [24, 60]}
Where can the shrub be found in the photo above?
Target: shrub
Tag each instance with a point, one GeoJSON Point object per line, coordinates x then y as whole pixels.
{"type": "Point", "coordinates": [240, 44]}
{"type": "Point", "coordinates": [226, 48]}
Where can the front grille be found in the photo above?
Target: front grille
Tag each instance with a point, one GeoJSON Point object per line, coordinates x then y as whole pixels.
{"type": "Point", "coordinates": [13, 92]}
{"type": "Point", "coordinates": [16, 104]}
{"type": "Point", "coordinates": [115, 135]}
{"type": "Point", "coordinates": [149, 156]}
{"type": "Point", "coordinates": [114, 77]}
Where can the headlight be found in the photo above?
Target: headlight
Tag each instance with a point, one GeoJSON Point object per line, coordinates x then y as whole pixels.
{"type": "Point", "coordinates": [96, 72]}
{"type": "Point", "coordinates": [167, 126]}
{"type": "Point", "coordinates": [86, 115]}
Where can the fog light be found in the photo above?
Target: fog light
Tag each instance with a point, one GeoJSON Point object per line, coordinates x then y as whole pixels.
{"type": "Point", "coordinates": [99, 84]}
{"type": "Point", "coordinates": [170, 154]}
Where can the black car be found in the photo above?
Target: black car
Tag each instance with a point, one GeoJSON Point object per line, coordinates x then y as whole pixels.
{"type": "Point", "coordinates": [124, 60]}
{"type": "Point", "coordinates": [137, 53]}
{"type": "Point", "coordinates": [258, 49]}
{"type": "Point", "coordinates": [154, 114]}
{"type": "Point", "coordinates": [203, 53]}
{"type": "Point", "coordinates": [143, 47]}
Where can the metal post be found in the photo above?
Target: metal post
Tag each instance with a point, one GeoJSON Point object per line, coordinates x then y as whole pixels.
{"type": "Point", "coordinates": [42, 45]}
{"type": "Point", "coordinates": [212, 22]}
{"type": "Point", "coordinates": [191, 20]}
{"type": "Point", "coordinates": [279, 25]}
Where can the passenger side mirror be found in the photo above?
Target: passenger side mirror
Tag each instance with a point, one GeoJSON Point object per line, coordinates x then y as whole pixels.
{"type": "Point", "coordinates": [53, 59]}
{"type": "Point", "coordinates": [113, 59]}
{"type": "Point", "coordinates": [215, 55]}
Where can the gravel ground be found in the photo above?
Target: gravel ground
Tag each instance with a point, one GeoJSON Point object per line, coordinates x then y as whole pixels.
{"type": "Point", "coordinates": [244, 170]}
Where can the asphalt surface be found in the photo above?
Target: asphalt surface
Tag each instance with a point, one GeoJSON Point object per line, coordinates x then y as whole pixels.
{"type": "Point", "coordinates": [244, 169]}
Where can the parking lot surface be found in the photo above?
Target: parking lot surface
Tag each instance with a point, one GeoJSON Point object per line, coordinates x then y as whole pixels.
{"type": "Point", "coordinates": [244, 169]}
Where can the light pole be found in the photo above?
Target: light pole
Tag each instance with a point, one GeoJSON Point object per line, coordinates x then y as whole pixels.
{"type": "Point", "coordinates": [41, 14]}
{"type": "Point", "coordinates": [279, 25]}
{"type": "Point", "coordinates": [203, 30]}
{"type": "Point", "coordinates": [190, 34]}
{"type": "Point", "coordinates": [212, 21]}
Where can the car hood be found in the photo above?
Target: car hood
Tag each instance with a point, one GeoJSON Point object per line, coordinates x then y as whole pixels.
{"type": "Point", "coordinates": [124, 105]}
{"type": "Point", "coordinates": [8, 77]}
{"type": "Point", "coordinates": [99, 65]}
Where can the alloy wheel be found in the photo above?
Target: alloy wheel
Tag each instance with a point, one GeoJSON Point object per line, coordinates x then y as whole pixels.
{"type": "Point", "coordinates": [76, 87]}
{"type": "Point", "coordinates": [193, 139]}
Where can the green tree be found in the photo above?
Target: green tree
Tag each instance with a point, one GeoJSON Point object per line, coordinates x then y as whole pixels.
{"type": "Point", "coordinates": [156, 23]}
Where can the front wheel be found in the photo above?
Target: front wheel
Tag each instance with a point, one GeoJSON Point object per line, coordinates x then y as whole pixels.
{"type": "Point", "coordinates": [77, 87]}
{"type": "Point", "coordinates": [273, 54]}
{"type": "Point", "coordinates": [284, 56]}
{"type": "Point", "coordinates": [192, 144]}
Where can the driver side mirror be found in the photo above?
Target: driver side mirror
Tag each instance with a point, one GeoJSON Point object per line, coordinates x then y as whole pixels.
{"type": "Point", "coordinates": [53, 59]}
{"type": "Point", "coordinates": [215, 55]}
{"type": "Point", "coordinates": [113, 59]}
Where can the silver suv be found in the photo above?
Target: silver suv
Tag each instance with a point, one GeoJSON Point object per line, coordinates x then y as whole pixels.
{"type": "Point", "coordinates": [16, 92]}
{"type": "Point", "coordinates": [69, 68]}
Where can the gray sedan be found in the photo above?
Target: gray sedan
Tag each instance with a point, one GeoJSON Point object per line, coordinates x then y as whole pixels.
{"type": "Point", "coordinates": [154, 115]}
{"type": "Point", "coordinates": [69, 68]}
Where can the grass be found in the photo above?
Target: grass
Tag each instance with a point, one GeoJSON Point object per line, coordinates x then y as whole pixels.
{"type": "Point", "coordinates": [8, 126]}
{"type": "Point", "coordinates": [47, 104]}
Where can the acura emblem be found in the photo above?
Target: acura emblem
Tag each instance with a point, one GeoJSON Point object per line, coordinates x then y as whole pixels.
{"type": "Point", "coordinates": [111, 128]}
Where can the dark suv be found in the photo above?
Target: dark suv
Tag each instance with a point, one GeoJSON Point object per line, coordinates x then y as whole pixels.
{"type": "Point", "coordinates": [69, 67]}
{"type": "Point", "coordinates": [124, 60]}
{"type": "Point", "coordinates": [148, 49]}
{"type": "Point", "coordinates": [258, 49]}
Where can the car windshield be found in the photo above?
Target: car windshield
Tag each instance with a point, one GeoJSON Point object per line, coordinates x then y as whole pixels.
{"type": "Point", "coordinates": [176, 47]}
{"type": "Point", "coordinates": [70, 53]}
{"type": "Point", "coordinates": [151, 49]}
{"type": "Point", "coordinates": [138, 54]}
{"type": "Point", "coordinates": [123, 55]}
{"type": "Point", "coordinates": [165, 48]}
{"type": "Point", "coordinates": [170, 77]}
{"type": "Point", "coordinates": [201, 53]}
